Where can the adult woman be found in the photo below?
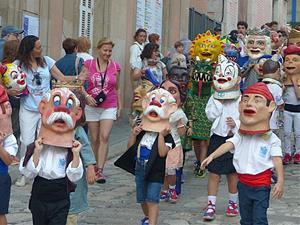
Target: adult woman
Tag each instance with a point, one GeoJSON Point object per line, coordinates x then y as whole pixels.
{"type": "Point", "coordinates": [137, 47]}
{"type": "Point", "coordinates": [83, 46]}
{"type": "Point", "coordinates": [38, 69]}
{"type": "Point", "coordinates": [103, 101]}
{"type": "Point", "coordinates": [150, 60]}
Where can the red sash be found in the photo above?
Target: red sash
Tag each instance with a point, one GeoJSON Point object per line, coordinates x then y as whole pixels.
{"type": "Point", "coordinates": [260, 179]}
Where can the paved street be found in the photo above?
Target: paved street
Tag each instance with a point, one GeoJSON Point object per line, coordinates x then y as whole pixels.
{"type": "Point", "coordinates": [114, 202]}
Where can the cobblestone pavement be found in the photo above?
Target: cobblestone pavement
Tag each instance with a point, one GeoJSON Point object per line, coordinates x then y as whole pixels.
{"type": "Point", "coordinates": [114, 202]}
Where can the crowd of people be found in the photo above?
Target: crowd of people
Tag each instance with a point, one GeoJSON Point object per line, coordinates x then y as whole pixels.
{"type": "Point", "coordinates": [218, 95]}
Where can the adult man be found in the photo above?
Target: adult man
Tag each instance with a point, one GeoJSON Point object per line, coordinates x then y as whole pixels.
{"type": "Point", "coordinates": [9, 33]}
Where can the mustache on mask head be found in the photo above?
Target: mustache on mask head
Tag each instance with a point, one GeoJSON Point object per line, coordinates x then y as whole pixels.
{"type": "Point", "coordinates": [160, 112]}
{"type": "Point", "coordinates": [61, 116]}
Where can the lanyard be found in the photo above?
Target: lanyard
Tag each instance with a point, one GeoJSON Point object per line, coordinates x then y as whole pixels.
{"type": "Point", "coordinates": [102, 78]}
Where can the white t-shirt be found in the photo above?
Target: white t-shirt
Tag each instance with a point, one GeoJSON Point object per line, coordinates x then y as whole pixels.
{"type": "Point", "coordinates": [52, 165]}
{"type": "Point", "coordinates": [10, 145]}
{"type": "Point", "coordinates": [135, 53]}
{"type": "Point", "coordinates": [253, 153]}
{"type": "Point", "coordinates": [174, 119]}
{"type": "Point", "coordinates": [276, 92]}
{"type": "Point", "coordinates": [149, 138]}
{"type": "Point", "coordinates": [84, 55]}
{"type": "Point", "coordinates": [218, 112]}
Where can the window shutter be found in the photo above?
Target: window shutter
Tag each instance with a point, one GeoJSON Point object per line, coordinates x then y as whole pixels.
{"type": "Point", "coordinates": [86, 19]}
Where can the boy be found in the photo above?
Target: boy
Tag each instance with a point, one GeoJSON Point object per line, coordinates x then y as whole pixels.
{"type": "Point", "coordinates": [8, 148]}
{"type": "Point", "coordinates": [178, 58]}
{"type": "Point", "coordinates": [256, 151]}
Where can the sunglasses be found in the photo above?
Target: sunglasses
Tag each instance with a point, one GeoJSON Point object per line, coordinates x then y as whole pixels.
{"type": "Point", "coordinates": [37, 79]}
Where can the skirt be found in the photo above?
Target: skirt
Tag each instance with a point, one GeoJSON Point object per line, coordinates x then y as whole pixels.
{"type": "Point", "coordinates": [175, 158]}
{"type": "Point", "coordinates": [222, 164]}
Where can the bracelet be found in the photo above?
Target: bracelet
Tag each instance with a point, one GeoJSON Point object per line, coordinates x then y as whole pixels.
{"type": "Point", "coordinates": [87, 95]}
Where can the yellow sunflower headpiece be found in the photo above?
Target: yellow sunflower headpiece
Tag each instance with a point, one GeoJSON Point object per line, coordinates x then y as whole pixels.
{"type": "Point", "coordinates": [207, 47]}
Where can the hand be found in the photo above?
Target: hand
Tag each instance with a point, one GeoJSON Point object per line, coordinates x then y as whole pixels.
{"type": "Point", "coordinates": [136, 130]}
{"type": "Point", "coordinates": [165, 131]}
{"type": "Point", "coordinates": [76, 147]}
{"type": "Point", "coordinates": [277, 190]}
{"type": "Point", "coordinates": [13, 92]}
{"type": "Point", "coordinates": [189, 131]}
{"type": "Point", "coordinates": [230, 122]}
{"type": "Point", "coordinates": [90, 101]}
{"type": "Point", "coordinates": [90, 174]}
{"type": "Point", "coordinates": [38, 145]}
{"type": "Point", "coordinates": [206, 161]}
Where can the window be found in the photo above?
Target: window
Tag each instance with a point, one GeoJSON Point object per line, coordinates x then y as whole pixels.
{"type": "Point", "coordinates": [86, 18]}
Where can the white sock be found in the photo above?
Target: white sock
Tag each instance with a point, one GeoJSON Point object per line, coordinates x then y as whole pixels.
{"type": "Point", "coordinates": [233, 197]}
{"type": "Point", "coordinates": [212, 199]}
{"type": "Point", "coordinates": [172, 186]}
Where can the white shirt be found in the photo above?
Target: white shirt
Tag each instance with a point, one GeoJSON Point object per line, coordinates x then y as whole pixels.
{"type": "Point", "coordinates": [10, 145]}
{"type": "Point", "coordinates": [174, 119]}
{"type": "Point", "coordinates": [276, 92]}
{"type": "Point", "coordinates": [218, 112]}
{"type": "Point", "coordinates": [253, 153]}
{"type": "Point", "coordinates": [84, 55]}
{"type": "Point", "coordinates": [149, 138]}
{"type": "Point", "coordinates": [135, 53]}
{"type": "Point", "coordinates": [52, 165]}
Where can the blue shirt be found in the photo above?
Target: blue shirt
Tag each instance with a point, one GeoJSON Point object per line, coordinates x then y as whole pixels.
{"type": "Point", "coordinates": [38, 83]}
{"type": "Point", "coordinates": [66, 64]}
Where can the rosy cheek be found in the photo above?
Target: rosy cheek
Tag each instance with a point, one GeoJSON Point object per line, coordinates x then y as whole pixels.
{"type": "Point", "coordinates": [229, 78]}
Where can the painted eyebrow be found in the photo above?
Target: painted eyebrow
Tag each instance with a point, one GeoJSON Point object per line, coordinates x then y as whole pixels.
{"type": "Point", "coordinates": [258, 96]}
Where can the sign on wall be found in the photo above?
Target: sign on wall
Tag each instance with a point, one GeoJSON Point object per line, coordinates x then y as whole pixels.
{"type": "Point", "coordinates": [149, 14]}
{"type": "Point", "coordinates": [31, 25]}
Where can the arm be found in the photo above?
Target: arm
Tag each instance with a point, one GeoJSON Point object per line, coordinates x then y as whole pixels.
{"type": "Point", "coordinates": [226, 147]}
{"type": "Point", "coordinates": [5, 157]}
{"type": "Point", "coordinates": [278, 188]}
{"type": "Point", "coordinates": [136, 74]}
{"type": "Point", "coordinates": [181, 129]}
{"type": "Point", "coordinates": [132, 138]}
{"type": "Point", "coordinates": [59, 76]}
{"type": "Point", "coordinates": [75, 169]}
{"type": "Point", "coordinates": [118, 88]}
{"type": "Point", "coordinates": [162, 147]}
{"type": "Point", "coordinates": [296, 87]}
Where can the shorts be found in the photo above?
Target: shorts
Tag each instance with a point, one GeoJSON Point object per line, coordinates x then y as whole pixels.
{"type": "Point", "coordinates": [5, 184]}
{"type": "Point", "coordinates": [94, 114]}
{"type": "Point", "coordinates": [145, 191]}
{"type": "Point", "coordinates": [174, 158]}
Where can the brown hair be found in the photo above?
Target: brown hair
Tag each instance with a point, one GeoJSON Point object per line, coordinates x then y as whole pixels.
{"type": "Point", "coordinates": [105, 41]}
{"type": "Point", "coordinates": [138, 31]}
{"type": "Point", "coordinates": [10, 50]}
{"type": "Point", "coordinates": [178, 44]}
{"type": "Point", "coordinates": [83, 44]}
{"type": "Point", "coordinates": [153, 38]}
{"type": "Point", "coordinates": [69, 45]}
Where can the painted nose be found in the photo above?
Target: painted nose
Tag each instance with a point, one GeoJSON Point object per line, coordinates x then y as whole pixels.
{"type": "Point", "coordinates": [61, 109]}
{"type": "Point", "coordinates": [156, 103]}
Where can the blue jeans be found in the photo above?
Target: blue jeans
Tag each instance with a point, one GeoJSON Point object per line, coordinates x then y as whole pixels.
{"type": "Point", "coordinates": [254, 203]}
{"type": "Point", "coordinates": [145, 191]}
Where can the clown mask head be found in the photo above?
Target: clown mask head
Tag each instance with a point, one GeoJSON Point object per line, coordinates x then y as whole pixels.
{"type": "Point", "coordinates": [294, 38]}
{"type": "Point", "coordinates": [5, 115]}
{"type": "Point", "coordinates": [256, 107]}
{"type": "Point", "coordinates": [157, 108]}
{"type": "Point", "coordinates": [60, 110]}
{"type": "Point", "coordinates": [139, 93]}
{"type": "Point", "coordinates": [292, 62]}
{"type": "Point", "coordinates": [207, 47]}
{"type": "Point", "coordinates": [13, 77]}
{"type": "Point", "coordinates": [258, 43]}
{"type": "Point", "coordinates": [226, 80]}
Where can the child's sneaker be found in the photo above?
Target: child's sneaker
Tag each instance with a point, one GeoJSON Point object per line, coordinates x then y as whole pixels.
{"type": "Point", "coordinates": [145, 221]}
{"type": "Point", "coordinates": [209, 212]}
{"type": "Point", "coordinates": [232, 209]}
{"type": "Point", "coordinates": [99, 176]}
{"type": "Point", "coordinates": [287, 159]}
{"type": "Point", "coordinates": [296, 158]}
{"type": "Point", "coordinates": [172, 196]}
{"type": "Point", "coordinates": [200, 173]}
{"type": "Point", "coordinates": [164, 196]}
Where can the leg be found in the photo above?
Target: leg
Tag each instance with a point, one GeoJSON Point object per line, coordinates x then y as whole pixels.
{"type": "Point", "coordinates": [246, 204]}
{"type": "Point", "coordinates": [105, 129]}
{"type": "Point", "coordinates": [153, 212]}
{"type": "Point", "coordinates": [288, 126]}
{"type": "Point", "coordinates": [38, 211]}
{"type": "Point", "coordinates": [297, 132]}
{"type": "Point", "coordinates": [3, 220]}
{"type": "Point", "coordinates": [232, 180]}
{"type": "Point", "coordinates": [58, 212]}
{"type": "Point", "coordinates": [212, 190]}
{"type": "Point", "coordinates": [232, 209]}
{"type": "Point", "coordinates": [144, 207]}
{"type": "Point", "coordinates": [261, 204]}
{"type": "Point", "coordinates": [203, 152]}
{"type": "Point", "coordinates": [72, 219]}
{"type": "Point", "coordinates": [197, 149]}
{"type": "Point", "coordinates": [94, 133]}
{"type": "Point", "coordinates": [213, 184]}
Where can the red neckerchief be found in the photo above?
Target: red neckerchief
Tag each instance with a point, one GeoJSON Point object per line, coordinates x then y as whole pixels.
{"type": "Point", "coordinates": [253, 132]}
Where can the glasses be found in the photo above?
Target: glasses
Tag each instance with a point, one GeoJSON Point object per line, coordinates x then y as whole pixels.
{"type": "Point", "coordinates": [37, 79]}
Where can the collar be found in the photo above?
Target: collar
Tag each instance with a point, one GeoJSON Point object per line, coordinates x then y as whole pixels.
{"type": "Point", "coordinates": [272, 81]}
{"type": "Point", "coordinates": [254, 132]}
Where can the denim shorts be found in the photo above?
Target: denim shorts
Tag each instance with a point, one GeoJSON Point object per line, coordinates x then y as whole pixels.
{"type": "Point", "coordinates": [145, 191]}
{"type": "Point", "coordinates": [5, 184]}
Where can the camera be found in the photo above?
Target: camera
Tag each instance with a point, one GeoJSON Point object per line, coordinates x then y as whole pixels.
{"type": "Point", "coordinates": [100, 97]}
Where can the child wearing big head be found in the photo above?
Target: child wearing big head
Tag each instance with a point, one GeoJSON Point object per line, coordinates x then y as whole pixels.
{"type": "Point", "coordinates": [8, 148]}
{"type": "Point", "coordinates": [148, 146]}
{"type": "Point", "coordinates": [53, 159]}
{"type": "Point", "coordinates": [256, 151]}
{"type": "Point", "coordinates": [222, 111]}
